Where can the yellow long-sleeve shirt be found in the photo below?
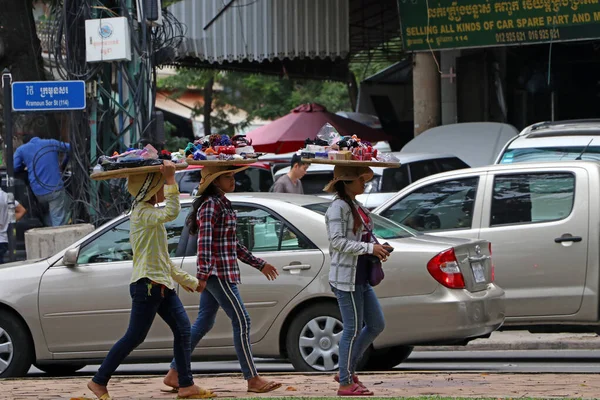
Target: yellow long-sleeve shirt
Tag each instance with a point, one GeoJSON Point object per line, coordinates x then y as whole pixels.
{"type": "Point", "coordinates": [148, 238]}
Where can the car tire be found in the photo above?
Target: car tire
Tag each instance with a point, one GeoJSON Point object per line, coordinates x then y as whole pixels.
{"type": "Point", "coordinates": [60, 369]}
{"type": "Point", "coordinates": [322, 325]}
{"type": "Point", "coordinates": [388, 358]}
{"type": "Point", "coordinates": [16, 350]}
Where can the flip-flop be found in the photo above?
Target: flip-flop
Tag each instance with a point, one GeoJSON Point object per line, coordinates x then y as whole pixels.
{"type": "Point", "coordinates": [204, 394]}
{"type": "Point", "coordinates": [354, 379]}
{"type": "Point", "coordinates": [355, 390]}
{"type": "Point", "coordinates": [169, 390]}
{"type": "Point", "coordinates": [266, 388]}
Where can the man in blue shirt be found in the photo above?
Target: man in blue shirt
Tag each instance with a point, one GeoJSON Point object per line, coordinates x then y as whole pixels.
{"type": "Point", "coordinates": [41, 157]}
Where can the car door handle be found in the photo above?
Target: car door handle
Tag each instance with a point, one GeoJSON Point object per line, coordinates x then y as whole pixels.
{"type": "Point", "coordinates": [567, 237]}
{"type": "Point", "coordinates": [296, 267]}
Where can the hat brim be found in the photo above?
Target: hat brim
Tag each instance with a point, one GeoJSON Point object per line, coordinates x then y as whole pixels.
{"type": "Point", "coordinates": [330, 188]}
{"type": "Point", "coordinates": [126, 172]}
{"type": "Point", "coordinates": [218, 163]}
{"type": "Point", "coordinates": [204, 184]}
{"type": "Point", "coordinates": [351, 163]}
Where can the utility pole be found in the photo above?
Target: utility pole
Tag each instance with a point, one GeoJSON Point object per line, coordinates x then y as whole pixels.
{"type": "Point", "coordinates": [10, 171]}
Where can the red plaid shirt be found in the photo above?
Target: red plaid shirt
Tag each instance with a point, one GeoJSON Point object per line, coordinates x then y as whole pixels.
{"type": "Point", "coordinates": [218, 246]}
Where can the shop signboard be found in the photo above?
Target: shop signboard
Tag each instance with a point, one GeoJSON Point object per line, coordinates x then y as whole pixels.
{"type": "Point", "coordinates": [445, 24]}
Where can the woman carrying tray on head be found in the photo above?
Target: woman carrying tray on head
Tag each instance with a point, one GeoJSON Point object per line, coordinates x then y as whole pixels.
{"type": "Point", "coordinates": [214, 221]}
{"type": "Point", "coordinates": [349, 230]}
{"type": "Point", "coordinates": [152, 288]}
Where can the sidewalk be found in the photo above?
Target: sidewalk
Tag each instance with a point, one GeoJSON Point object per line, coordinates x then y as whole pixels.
{"type": "Point", "coordinates": [523, 340]}
{"type": "Point", "coordinates": [308, 385]}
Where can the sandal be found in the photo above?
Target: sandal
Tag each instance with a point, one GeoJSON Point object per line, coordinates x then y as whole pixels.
{"type": "Point", "coordinates": [267, 387]}
{"type": "Point", "coordinates": [203, 394]}
{"type": "Point", "coordinates": [355, 390]}
{"type": "Point", "coordinates": [354, 379]}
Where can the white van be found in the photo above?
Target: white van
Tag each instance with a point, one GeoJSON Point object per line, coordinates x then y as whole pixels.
{"type": "Point", "coordinates": [554, 141]}
{"type": "Point", "coordinates": [476, 143]}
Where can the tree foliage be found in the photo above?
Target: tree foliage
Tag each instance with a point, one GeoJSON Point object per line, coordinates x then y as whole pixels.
{"type": "Point", "coordinates": [260, 96]}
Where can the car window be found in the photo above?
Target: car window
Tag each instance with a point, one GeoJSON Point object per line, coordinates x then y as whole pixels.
{"type": "Point", "coordinates": [564, 153]}
{"type": "Point", "coordinates": [439, 206]}
{"type": "Point", "coordinates": [394, 179]}
{"type": "Point", "coordinates": [316, 182]}
{"type": "Point", "coordinates": [450, 164]}
{"type": "Point", "coordinates": [253, 180]}
{"type": "Point", "coordinates": [261, 231]}
{"type": "Point", "coordinates": [189, 181]}
{"type": "Point", "coordinates": [113, 244]}
{"type": "Point", "coordinates": [532, 198]}
{"type": "Point", "coordinates": [383, 227]}
{"type": "Point", "coordinates": [422, 169]}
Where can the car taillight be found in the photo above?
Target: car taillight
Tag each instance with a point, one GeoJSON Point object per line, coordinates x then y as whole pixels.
{"type": "Point", "coordinates": [492, 266]}
{"type": "Point", "coordinates": [444, 269]}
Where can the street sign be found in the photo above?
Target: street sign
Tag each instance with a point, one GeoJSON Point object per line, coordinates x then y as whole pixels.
{"type": "Point", "coordinates": [48, 96]}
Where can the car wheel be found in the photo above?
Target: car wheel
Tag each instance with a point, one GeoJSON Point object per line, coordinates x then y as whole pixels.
{"type": "Point", "coordinates": [16, 352]}
{"type": "Point", "coordinates": [388, 358]}
{"type": "Point", "coordinates": [60, 369]}
{"type": "Point", "coordinates": [313, 339]}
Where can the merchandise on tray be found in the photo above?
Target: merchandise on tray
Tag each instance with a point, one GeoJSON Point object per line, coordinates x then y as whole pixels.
{"type": "Point", "coordinates": [131, 158]}
{"type": "Point", "coordinates": [347, 148]}
{"type": "Point", "coordinates": [220, 147]}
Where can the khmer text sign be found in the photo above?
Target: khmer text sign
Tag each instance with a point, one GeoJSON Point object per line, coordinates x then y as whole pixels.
{"type": "Point", "coordinates": [448, 24]}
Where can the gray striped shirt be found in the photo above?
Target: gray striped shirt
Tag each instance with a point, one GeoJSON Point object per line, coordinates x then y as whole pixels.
{"type": "Point", "coordinates": [344, 245]}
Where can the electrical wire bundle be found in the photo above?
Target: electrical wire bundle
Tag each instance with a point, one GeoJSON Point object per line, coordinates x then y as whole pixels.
{"type": "Point", "coordinates": [121, 97]}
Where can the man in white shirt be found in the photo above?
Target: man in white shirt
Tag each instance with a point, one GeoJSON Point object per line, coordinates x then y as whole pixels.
{"type": "Point", "coordinates": [5, 221]}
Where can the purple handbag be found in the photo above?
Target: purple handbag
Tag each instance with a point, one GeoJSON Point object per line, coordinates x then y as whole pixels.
{"type": "Point", "coordinates": [375, 270]}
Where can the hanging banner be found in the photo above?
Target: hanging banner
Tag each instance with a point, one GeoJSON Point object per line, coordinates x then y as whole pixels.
{"type": "Point", "coordinates": [447, 24]}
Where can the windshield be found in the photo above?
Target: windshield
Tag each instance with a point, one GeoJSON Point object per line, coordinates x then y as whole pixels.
{"type": "Point", "coordinates": [383, 227]}
{"type": "Point", "coordinates": [563, 153]}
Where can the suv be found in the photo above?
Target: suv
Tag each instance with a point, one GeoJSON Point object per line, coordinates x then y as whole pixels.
{"type": "Point", "coordinates": [386, 181]}
{"type": "Point", "coordinates": [554, 141]}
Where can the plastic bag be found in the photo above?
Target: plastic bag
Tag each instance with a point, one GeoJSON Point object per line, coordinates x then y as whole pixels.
{"type": "Point", "coordinates": [329, 134]}
{"type": "Point", "coordinates": [387, 157]}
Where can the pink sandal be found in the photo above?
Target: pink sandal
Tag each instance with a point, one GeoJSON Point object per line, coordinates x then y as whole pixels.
{"type": "Point", "coordinates": [355, 390]}
{"type": "Point", "coordinates": [354, 379]}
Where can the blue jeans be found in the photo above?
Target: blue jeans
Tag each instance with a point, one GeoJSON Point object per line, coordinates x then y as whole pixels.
{"type": "Point", "coordinates": [363, 322]}
{"type": "Point", "coordinates": [147, 302]}
{"type": "Point", "coordinates": [220, 293]}
{"type": "Point", "coordinates": [58, 203]}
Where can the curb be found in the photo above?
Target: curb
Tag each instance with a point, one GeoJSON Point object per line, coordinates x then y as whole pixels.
{"type": "Point", "coordinates": [581, 344]}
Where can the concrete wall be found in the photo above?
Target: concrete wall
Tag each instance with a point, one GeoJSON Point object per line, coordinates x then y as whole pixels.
{"type": "Point", "coordinates": [44, 242]}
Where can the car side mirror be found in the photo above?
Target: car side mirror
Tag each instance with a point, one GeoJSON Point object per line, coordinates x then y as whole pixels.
{"type": "Point", "coordinates": [71, 256]}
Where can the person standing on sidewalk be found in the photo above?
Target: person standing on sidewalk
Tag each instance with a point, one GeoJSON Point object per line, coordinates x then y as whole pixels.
{"type": "Point", "coordinates": [5, 221]}
{"type": "Point", "coordinates": [152, 289]}
{"type": "Point", "coordinates": [41, 158]}
{"type": "Point", "coordinates": [291, 182]}
{"type": "Point", "coordinates": [362, 316]}
{"type": "Point", "coordinates": [214, 221]}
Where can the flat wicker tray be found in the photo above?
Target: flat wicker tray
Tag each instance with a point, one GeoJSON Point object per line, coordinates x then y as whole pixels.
{"type": "Point", "coordinates": [217, 163]}
{"type": "Point", "coordinates": [125, 172]}
{"type": "Point", "coordinates": [351, 163]}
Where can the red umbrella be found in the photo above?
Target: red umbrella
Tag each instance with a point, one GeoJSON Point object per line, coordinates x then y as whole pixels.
{"type": "Point", "coordinates": [288, 133]}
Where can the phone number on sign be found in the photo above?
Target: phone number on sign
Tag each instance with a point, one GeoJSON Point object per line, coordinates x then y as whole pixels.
{"type": "Point", "coordinates": [528, 36]}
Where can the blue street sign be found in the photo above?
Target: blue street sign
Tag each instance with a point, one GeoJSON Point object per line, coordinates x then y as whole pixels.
{"type": "Point", "coordinates": [48, 96]}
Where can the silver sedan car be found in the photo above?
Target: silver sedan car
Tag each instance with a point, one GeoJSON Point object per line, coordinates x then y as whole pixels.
{"type": "Point", "coordinates": [66, 311]}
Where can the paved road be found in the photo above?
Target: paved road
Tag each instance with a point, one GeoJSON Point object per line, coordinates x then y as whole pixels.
{"type": "Point", "coordinates": [544, 361]}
